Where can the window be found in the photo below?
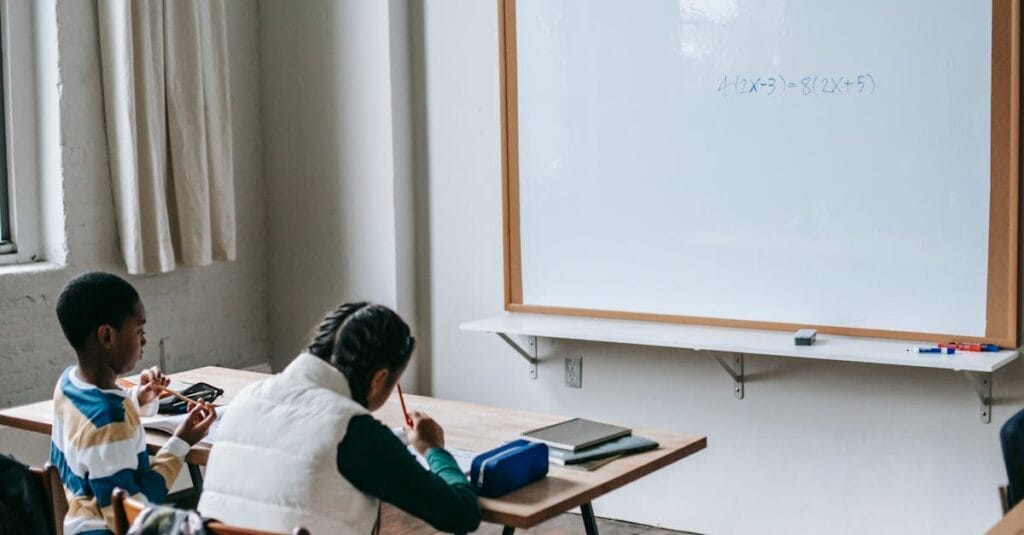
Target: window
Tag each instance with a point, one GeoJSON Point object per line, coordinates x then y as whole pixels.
{"type": "Point", "coordinates": [6, 244]}
{"type": "Point", "coordinates": [19, 168]}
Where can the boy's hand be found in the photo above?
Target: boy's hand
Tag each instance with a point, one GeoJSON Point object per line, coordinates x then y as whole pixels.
{"type": "Point", "coordinates": [200, 417]}
{"type": "Point", "coordinates": [425, 433]}
{"type": "Point", "coordinates": [151, 383]}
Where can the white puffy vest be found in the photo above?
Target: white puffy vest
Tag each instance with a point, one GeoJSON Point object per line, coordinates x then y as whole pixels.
{"type": "Point", "coordinates": [274, 465]}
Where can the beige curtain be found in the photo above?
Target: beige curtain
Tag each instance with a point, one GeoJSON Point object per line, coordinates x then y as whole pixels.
{"type": "Point", "coordinates": [167, 103]}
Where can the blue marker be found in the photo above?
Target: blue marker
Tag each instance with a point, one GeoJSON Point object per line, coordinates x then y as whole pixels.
{"type": "Point", "coordinates": [990, 347]}
{"type": "Point", "coordinates": [929, 350]}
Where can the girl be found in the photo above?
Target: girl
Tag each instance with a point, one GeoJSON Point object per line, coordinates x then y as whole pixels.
{"type": "Point", "coordinates": [302, 449]}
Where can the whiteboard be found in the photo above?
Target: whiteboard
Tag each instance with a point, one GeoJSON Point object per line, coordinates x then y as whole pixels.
{"type": "Point", "coordinates": [804, 162]}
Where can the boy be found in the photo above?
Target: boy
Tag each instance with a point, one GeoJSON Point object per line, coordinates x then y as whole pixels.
{"type": "Point", "coordinates": [98, 442]}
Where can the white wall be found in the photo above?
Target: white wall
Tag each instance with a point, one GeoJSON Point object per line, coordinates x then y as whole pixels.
{"type": "Point", "coordinates": [814, 447]}
{"type": "Point", "coordinates": [335, 121]}
{"type": "Point", "coordinates": [208, 315]}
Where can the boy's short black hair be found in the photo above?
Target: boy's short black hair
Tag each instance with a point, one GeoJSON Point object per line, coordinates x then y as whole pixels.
{"type": "Point", "coordinates": [93, 299]}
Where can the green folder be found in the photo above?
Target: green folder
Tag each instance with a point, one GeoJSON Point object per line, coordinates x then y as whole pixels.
{"type": "Point", "coordinates": [618, 446]}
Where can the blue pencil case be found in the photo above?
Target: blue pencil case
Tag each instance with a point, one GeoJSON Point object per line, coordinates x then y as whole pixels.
{"type": "Point", "coordinates": [508, 467]}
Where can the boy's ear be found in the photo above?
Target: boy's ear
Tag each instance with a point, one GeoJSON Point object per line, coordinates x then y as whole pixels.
{"type": "Point", "coordinates": [105, 336]}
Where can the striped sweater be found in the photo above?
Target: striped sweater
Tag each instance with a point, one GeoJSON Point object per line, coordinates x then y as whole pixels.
{"type": "Point", "coordinates": [98, 443]}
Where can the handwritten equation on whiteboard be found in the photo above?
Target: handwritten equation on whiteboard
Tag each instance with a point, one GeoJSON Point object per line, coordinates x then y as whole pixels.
{"type": "Point", "coordinates": [778, 85]}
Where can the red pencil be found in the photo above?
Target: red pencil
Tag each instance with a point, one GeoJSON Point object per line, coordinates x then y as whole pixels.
{"type": "Point", "coordinates": [401, 398]}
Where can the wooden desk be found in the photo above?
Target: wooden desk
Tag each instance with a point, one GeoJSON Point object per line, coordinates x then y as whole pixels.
{"type": "Point", "coordinates": [38, 417]}
{"type": "Point", "coordinates": [466, 425]}
{"type": "Point", "coordinates": [1011, 524]}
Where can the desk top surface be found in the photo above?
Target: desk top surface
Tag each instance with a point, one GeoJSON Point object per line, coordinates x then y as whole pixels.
{"type": "Point", "coordinates": [1011, 524]}
{"type": "Point", "coordinates": [466, 425]}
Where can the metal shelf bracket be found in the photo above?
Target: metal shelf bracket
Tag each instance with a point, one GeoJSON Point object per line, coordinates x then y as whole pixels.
{"type": "Point", "coordinates": [529, 352]}
{"type": "Point", "coordinates": [734, 367]}
{"type": "Point", "coordinates": [982, 383]}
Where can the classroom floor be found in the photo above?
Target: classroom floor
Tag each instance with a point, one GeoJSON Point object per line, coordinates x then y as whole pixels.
{"type": "Point", "coordinates": [397, 522]}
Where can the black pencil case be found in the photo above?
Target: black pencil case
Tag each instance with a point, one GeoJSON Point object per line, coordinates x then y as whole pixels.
{"type": "Point", "coordinates": [198, 391]}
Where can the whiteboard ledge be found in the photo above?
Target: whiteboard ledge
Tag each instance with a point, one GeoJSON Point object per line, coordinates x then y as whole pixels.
{"type": "Point", "coordinates": [744, 341]}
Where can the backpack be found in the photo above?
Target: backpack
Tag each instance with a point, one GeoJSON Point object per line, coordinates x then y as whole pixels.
{"type": "Point", "coordinates": [163, 520]}
{"type": "Point", "coordinates": [24, 507]}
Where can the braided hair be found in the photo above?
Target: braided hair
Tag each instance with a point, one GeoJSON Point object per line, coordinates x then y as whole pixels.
{"type": "Point", "coordinates": [359, 339]}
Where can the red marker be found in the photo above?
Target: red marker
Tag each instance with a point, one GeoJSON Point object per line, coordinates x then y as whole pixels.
{"type": "Point", "coordinates": [401, 398]}
{"type": "Point", "coordinates": [964, 347]}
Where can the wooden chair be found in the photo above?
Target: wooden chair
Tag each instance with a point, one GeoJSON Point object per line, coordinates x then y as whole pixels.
{"type": "Point", "coordinates": [56, 501]}
{"type": "Point", "coordinates": [127, 509]}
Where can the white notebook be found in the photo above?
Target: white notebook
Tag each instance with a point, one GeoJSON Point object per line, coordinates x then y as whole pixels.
{"type": "Point", "coordinates": [463, 457]}
{"type": "Point", "coordinates": [169, 422]}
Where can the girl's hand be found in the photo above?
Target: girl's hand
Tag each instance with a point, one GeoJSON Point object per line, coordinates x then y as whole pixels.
{"type": "Point", "coordinates": [151, 383]}
{"type": "Point", "coordinates": [200, 417]}
{"type": "Point", "coordinates": [425, 433]}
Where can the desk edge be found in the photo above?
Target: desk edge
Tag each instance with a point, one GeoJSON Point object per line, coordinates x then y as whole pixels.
{"type": "Point", "coordinates": [591, 494]}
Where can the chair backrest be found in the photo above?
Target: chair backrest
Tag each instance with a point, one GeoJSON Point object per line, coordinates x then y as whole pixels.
{"type": "Point", "coordinates": [217, 528]}
{"type": "Point", "coordinates": [56, 500]}
{"type": "Point", "coordinates": [127, 509]}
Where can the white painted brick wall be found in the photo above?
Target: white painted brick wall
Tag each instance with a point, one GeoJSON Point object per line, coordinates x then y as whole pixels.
{"type": "Point", "coordinates": [209, 315]}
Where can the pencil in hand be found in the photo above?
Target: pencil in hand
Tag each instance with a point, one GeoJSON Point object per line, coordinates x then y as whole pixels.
{"type": "Point", "coordinates": [401, 398]}
{"type": "Point", "coordinates": [188, 401]}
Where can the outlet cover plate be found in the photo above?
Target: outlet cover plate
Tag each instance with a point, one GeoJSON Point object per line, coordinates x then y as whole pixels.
{"type": "Point", "coordinates": [574, 372]}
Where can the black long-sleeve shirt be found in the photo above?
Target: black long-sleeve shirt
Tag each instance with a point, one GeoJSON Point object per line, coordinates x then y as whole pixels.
{"type": "Point", "coordinates": [377, 463]}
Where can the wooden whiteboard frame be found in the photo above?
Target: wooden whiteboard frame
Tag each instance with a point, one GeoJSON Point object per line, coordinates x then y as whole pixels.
{"type": "Point", "coordinates": [1001, 325]}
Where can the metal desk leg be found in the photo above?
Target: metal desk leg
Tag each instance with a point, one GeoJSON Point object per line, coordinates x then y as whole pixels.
{"type": "Point", "coordinates": [508, 530]}
{"type": "Point", "coordinates": [589, 522]}
{"type": "Point", "coordinates": [197, 477]}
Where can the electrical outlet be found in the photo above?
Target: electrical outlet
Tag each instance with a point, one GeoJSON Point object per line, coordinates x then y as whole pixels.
{"type": "Point", "coordinates": [574, 372]}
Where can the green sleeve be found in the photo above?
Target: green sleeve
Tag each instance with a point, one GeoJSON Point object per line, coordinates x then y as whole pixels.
{"type": "Point", "coordinates": [443, 464]}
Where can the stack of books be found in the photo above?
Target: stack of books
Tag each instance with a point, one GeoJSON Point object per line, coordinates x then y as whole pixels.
{"type": "Point", "coordinates": [588, 443]}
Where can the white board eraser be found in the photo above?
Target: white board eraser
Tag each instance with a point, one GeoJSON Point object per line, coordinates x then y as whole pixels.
{"type": "Point", "coordinates": [805, 337]}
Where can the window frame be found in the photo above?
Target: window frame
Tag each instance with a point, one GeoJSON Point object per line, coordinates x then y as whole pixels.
{"type": "Point", "coordinates": [18, 83]}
